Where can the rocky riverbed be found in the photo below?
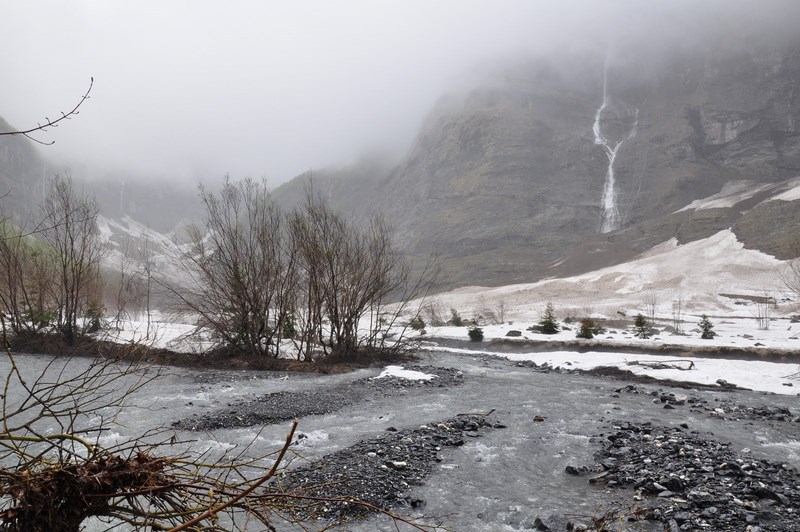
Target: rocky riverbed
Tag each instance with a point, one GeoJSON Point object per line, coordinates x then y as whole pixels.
{"type": "Point", "coordinates": [491, 444]}
{"type": "Point", "coordinates": [283, 406]}
{"type": "Point", "coordinates": [685, 479]}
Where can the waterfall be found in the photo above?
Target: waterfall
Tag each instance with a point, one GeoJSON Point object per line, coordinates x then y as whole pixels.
{"type": "Point", "coordinates": [611, 218]}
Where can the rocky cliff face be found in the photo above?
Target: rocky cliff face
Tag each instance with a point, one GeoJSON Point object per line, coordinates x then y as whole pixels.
{"type": "Point", "coordinates": [511, 178]}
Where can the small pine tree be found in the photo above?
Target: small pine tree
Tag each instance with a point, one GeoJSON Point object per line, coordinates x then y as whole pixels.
{"type": "Point", "coordinates": [548, 324]}
{"type": "Point", "coordinates": [417, 323]}
{"type": "Point", "coordinates": [707, 327]}
{"type": "Point", "coordinates": [455, 319]}
{"type": "Point", "coordinates": [475, 334]}
{"type": "Point", "coordinates": [587, 329]}
{"type": "Point", "coordinates": [288, 329]}
{"type": "Point", "coordinates": [642, 326]}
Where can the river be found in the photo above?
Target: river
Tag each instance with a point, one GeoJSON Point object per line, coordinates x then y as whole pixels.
{"type": "Point", "coordinates": [500, 481]}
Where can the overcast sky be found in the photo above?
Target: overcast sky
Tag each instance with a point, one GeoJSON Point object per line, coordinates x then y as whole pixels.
{"type": "Point", "coordinates": [195, 89]}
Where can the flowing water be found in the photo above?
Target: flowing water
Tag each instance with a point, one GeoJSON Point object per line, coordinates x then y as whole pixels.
{"type": "Point", "coordinates": [500, 481]}
{"type": "Point", "coordinates": [620, 115]}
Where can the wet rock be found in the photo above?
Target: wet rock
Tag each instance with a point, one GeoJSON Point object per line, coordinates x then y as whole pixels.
{"type": "Point", "coordinates": [691, 481]}
{"type": "Point", "coordinates": [407, 458]}
{"type": "Point", "coordinates": [284, 406]}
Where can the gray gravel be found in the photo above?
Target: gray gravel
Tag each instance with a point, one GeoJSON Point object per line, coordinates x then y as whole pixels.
{"type": "Point", "coordinates": [672, 478]}
{"type": "Point", "coordinates": [686, 480]}
{"type": "Point", "coordinates": [380, 471]}
{"type": "Point", "coordinates": [283, 406]}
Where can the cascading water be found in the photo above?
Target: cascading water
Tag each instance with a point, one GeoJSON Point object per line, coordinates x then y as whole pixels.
{"type": "Point", "coordinates": [611, 218]}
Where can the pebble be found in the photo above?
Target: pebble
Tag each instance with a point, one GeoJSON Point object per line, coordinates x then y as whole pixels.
{"type": "Point", "coordinates": [687, 481]}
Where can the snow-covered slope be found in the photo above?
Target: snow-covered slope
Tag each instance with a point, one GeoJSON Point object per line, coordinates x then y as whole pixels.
{"type": "Point", "coordinates": [698, 273]}
{"type": "Point", "coordinates": [129, 242]}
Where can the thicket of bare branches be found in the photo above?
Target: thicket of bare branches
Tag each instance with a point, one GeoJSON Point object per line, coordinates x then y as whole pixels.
{"type": "Point", "coordinates": [51, 268]}
{"type": "Point", "coordinates": [241, 268]}
{"type": "Point", "coordinates": [352, 282]}
{"type": "Point", "coordinates": [790, 275]}
{"type": "Point", "coordinates": [259, 276]}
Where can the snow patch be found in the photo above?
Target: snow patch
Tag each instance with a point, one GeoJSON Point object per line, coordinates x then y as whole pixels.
{"type": "Point", "coordinates": [399, 372]}
{"type": "Point", "coordinates": [732, 193]}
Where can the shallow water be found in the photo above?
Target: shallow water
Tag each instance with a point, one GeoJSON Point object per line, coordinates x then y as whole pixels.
{"type": "Point", "coordinates": [500, 481]}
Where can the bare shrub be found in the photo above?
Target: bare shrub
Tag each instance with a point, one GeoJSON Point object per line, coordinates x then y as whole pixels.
{"type": "Point", "coordinates": [789, 273]}
{"type": "Point", "coordinates": [352, 285]}
{"type": "Point", "coordinates": [435, 312]}
{"type": "Point", "coordinates": [650, 305]}
{"type": "Point", "coordinates": [241, 268]}
{"type": "Point", "coordinates": [493, 314]}
{"type": "Point", "coordinates": [677, 312]}
{"type": "Point", "coordinates": [51, 272]}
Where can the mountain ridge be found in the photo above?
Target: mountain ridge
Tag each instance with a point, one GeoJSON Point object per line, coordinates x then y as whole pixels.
{"type": "Point", "coordinates": [507, 179]}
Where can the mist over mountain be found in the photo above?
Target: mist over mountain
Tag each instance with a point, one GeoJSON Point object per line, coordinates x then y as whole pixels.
{"type": "Point", "coordinates": [25, 170]}
{"type": "Point", "coordinates": [578, 142]}
{"type": "Point", "coordinates": [507, 180]}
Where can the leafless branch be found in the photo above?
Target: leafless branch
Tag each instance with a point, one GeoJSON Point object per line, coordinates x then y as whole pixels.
{"type": "Point", "coordinates": [48, 122]}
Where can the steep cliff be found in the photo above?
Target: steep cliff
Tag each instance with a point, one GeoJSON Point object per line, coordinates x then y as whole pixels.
{"type": "Point", "coordinates": [553, 159]}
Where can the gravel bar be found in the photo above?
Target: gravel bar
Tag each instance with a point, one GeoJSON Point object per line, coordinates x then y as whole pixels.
{"type": "Point", "coordinates": [380, 471]}
{"type": "Point", "coordinates": [283, 406]}
{"type": "Point", "coordinates": [687, 481]}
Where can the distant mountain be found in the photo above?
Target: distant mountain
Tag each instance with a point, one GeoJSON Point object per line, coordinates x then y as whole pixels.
{"type": "Point", "coordinates": [510, 182]}
{"type": "Point", "coordinates": [24, 172]}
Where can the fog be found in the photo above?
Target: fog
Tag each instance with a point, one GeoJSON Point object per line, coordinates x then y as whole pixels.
{"type": "Point", "coordinates": [191, 90]}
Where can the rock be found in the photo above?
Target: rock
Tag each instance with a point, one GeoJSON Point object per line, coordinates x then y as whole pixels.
{"type": "Point", "coordinates": [407, 457]}
{"type": "Point", "coordinates": [514, 333]}
{"type": "Point", "coordinates": [720, 489]}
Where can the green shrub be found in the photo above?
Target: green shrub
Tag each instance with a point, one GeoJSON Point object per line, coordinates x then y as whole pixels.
{"type": "Point", "coordinates": [455, 319]}
{"type": "Point", "coordinates": [475, 334]}
{"type": "Point", "coordinates": [642, 327]}
{"type": "Point", "coordinates": [587, 330]}
{"type": "Point", "coordinates": [548, 324]}
{"type": "Point", "coordinates": [707, 327]}
{"type": "Point", "coordinates": [417, 323]}
{"type": "Point", "coordinates": [288, 329]}
{"type": "Point", "coordinates": [93, 317]}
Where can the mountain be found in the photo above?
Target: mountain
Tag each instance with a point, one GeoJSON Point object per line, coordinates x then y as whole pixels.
{"type": "Point", "coordinates": [509, 181]}
{"type": "Point", "coordinates": [24, 172]}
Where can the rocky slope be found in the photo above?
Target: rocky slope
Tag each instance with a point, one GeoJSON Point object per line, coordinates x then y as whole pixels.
{"type": "Point", "coordinates": [510, 178]}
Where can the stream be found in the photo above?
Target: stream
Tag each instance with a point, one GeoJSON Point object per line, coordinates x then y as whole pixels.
{"type": "Point", "coordinates": [501, 480]}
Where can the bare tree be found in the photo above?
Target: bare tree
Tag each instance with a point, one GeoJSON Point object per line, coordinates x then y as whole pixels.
{"type": "Point", "coordinates": [145, 257]}
{"type": "Point", "coordinates": [51, 274]}
{"type": "Point", "coordinates": [677, 312]}
{"type": "Point", "coordinates": [241, 268]}
{"type": "Point", "coordinates": [351, 279]}
{"type": "Point", "coordinates": [435, 312]}
{"type": "Point", "coordinates": [762, 312]}
{"type": "Point", "coordinates": [650, 305]}
{"type": "Point", "coordinates": [790, 275]}
{"type": "Point", "coordinates": [71, 233]}
{"type": "Point", "coordinates": [26, 285]}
